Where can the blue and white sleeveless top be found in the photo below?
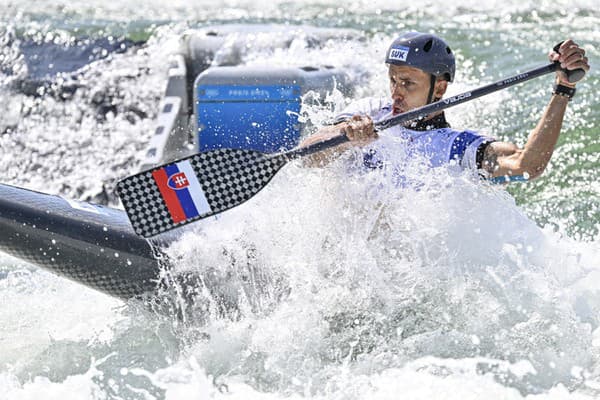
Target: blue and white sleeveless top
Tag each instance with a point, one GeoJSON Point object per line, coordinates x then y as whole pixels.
{"type": "Point", "coordinates": [437, 146]}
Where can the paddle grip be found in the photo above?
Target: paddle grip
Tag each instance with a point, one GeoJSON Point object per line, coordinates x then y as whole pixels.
{"type": "Point", "coordinates": [573, 75]}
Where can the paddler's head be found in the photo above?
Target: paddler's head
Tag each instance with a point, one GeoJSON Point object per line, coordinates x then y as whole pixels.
{"type": "Point", "coordinates": [420, 66]}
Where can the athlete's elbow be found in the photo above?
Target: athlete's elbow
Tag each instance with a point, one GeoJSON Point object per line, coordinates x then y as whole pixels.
{"type": "Point", "coordinates": [532, 175]}
{"type": "Point", "coordinates": [512, 162]}
{"type": "Point", "coordinates": [532, 171]}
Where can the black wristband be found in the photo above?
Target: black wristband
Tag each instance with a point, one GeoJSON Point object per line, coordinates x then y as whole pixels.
{"type": "Point", "coordinates": [564, 91]}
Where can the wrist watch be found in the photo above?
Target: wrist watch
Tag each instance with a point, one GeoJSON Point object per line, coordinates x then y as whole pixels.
{"type": "Point", "coordinates": [564, 91]}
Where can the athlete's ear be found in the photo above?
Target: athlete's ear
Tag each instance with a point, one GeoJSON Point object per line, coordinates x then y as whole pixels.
{"type": "Point", "coordinates": [440, 88]}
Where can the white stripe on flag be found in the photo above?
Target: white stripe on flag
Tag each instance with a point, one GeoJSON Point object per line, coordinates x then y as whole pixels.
{"type": "Point", "coordinates": [194, 188]}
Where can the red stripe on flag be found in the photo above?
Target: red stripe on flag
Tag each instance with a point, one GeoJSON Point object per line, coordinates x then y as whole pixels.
{"type": "Point", "coordinates": [169, 196]}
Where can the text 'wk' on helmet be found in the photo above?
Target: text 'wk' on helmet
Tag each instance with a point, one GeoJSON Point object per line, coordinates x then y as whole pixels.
{"type": "Point", "coordinates": [424, 51]}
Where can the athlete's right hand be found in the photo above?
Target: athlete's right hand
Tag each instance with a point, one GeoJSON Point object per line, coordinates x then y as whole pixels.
{"type": "Point", "coordinates": [360, 130]}
{"type": "Point", "coordinates": [570, 56]}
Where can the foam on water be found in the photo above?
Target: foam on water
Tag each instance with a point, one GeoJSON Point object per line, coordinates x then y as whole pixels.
{"type": "Point", "coordinates": [327, 285]}
{"type": "Point", "coordinates": [377, 278]}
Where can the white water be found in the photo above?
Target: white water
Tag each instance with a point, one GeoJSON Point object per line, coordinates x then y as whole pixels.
{"type": "Point", "coordinates": [339, 285]}
{"type": "Point", "coordinates": [340, 290]}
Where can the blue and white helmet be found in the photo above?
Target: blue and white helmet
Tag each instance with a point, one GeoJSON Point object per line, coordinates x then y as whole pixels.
{"type": "Point", "coordinates": [424, 51]}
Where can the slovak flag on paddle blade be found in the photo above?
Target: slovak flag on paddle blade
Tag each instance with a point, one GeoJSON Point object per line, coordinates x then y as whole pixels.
{"type": "Point", "coordinates": [181, 191]}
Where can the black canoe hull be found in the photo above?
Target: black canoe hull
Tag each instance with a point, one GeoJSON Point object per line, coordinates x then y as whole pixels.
{"type": "Point", "coordinates": [91, 244]}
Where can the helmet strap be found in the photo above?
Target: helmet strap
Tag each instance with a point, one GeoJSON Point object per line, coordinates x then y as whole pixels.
{"type": "Point", "coordinates": [431, 87]}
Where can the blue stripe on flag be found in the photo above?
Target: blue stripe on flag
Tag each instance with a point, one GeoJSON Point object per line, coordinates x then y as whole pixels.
{"type": "Point", "coordinates": [195, 189]}
{"type": "Point", "coordinates": [185, 199]}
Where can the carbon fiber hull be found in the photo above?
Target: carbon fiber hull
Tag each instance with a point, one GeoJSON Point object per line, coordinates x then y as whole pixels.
{"type": "Point", "coordinates": [90, 244]}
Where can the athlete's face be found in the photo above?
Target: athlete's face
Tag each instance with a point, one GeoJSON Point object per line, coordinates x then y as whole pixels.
{"type": "Point", "coordinates": [410, 87]}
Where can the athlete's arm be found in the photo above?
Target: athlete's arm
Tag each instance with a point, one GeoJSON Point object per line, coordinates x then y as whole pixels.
{"type": "Point", "coordinates": [506, 159]}
{"type": "Point", "coordinates": [359, 130]}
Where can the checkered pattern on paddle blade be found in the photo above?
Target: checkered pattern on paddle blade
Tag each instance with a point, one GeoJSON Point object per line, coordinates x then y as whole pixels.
{"type": "Point", "coordinates": [226, 178]}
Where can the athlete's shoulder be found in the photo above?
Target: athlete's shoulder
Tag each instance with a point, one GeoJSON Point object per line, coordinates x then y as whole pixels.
{"type": "Point", "coordinates": [468, 146]}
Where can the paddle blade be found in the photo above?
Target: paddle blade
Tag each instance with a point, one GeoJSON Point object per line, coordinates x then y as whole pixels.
{"type": "Point", "coordinates": [194, 188]}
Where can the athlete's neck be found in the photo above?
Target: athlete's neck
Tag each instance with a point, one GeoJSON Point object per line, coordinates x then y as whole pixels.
{"type": "Point", "coordinates": [436, 122]}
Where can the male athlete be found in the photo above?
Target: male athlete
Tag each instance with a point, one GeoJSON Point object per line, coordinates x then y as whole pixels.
{"type": "Point", "coordinates": [420, 66]}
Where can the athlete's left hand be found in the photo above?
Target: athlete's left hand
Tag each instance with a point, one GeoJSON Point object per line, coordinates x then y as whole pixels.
{"type": "Point", "coordinates": [570, 56]}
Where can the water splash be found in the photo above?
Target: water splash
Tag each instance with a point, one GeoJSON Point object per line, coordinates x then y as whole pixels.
{"type": "Point", "coordinates": [354, 277]}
